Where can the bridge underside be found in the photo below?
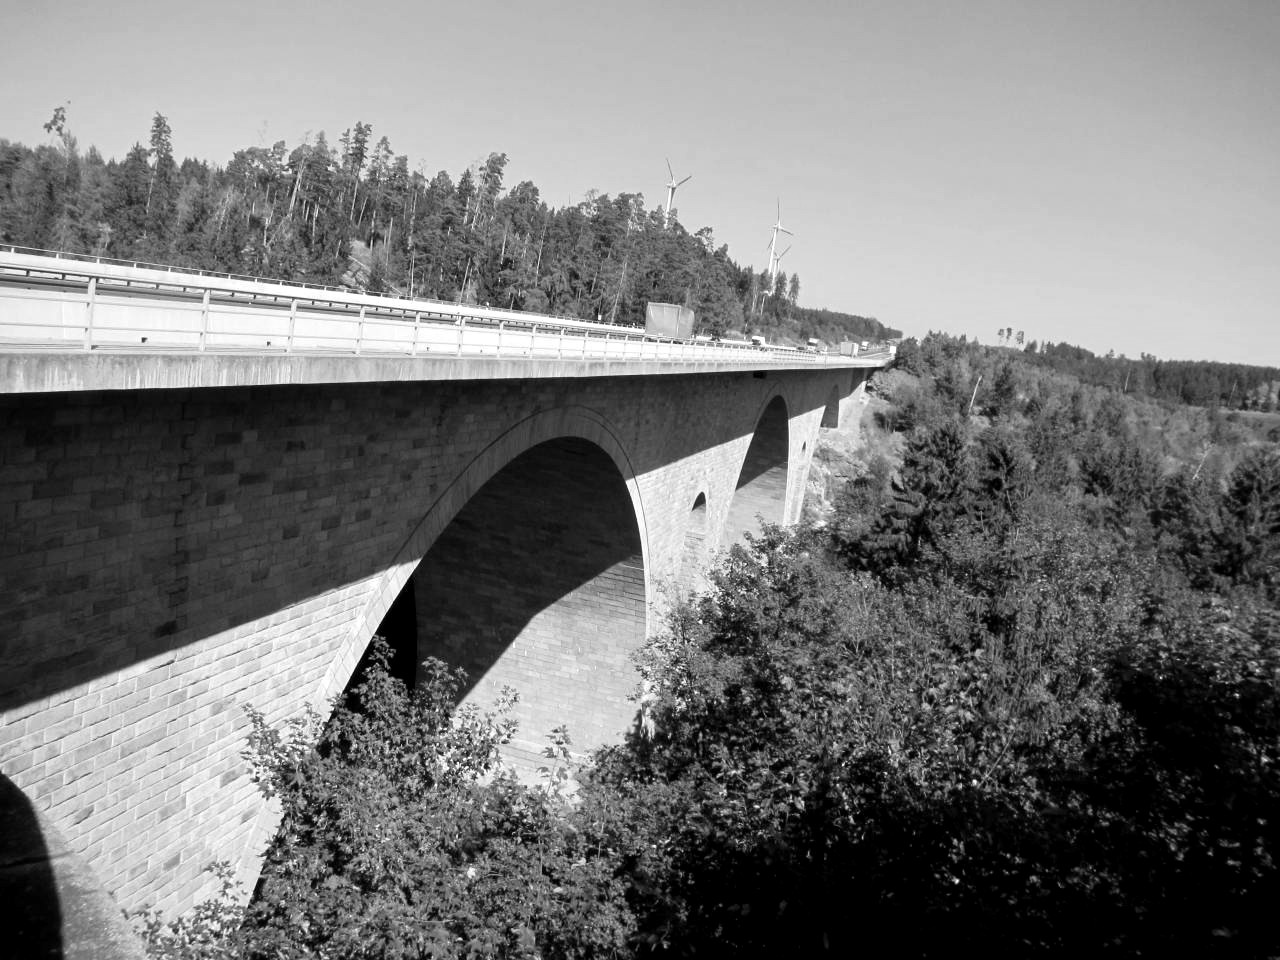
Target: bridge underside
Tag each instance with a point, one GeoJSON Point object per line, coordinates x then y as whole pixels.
{"type": "Point", "coordinates": [539, 583]}
{"type": "Point", "coordinates": [761, 490]}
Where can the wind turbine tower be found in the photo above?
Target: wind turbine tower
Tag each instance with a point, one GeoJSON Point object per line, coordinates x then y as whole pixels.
{"type": "Point", "coordinates": [777, 261]}
{"type": "Point", "coordinates": [774, 256]}
{"type": "Point", "coordinates": [672, 186]}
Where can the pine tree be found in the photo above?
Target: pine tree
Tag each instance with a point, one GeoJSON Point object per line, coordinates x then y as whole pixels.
{"type": "Point", "coordinates": [161, 188]}
{"type": "Point", "coordinates": [1250, 539]}
{"type": "Point", "coordinates": [1004, 392]}
{"type": "Point", "coordinates": [931, 492]}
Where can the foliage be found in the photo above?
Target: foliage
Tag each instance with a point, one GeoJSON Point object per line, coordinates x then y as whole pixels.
{"type": "Point", "coordinates": [1202, 383]}
{"type": "Point", "coordinates": [207, 932]}
{"type": "Point", "coordinates": [401, 837]}
{"type": "Point", "coordinates": [1013, 753]}
{"type": "Point", "coordinates": [358, 215]}
{"type": "Point", "coordinates": [1249, 544]}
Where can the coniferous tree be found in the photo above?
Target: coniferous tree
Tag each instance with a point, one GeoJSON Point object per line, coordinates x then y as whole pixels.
{"type": "Point", "coordinates": [1004, 391]}
{"type": "Point", "coordinates": [1250, 539]}
{"type": "Point", "coordinates": [161, 189]}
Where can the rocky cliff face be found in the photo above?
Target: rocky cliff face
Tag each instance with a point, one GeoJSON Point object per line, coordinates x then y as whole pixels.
{"type": "Point", "coordinates": [843, 453]}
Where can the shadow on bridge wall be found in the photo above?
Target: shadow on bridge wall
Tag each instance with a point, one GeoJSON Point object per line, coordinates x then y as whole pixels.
{"type": "Point", "coordinates": [761, 491]}
{"type": "Point", "coordinates": [538, 584]}
{"type": "Point", "coordinates": [30, 910]}
{"type": "Point", "coordinates": [146, 505]}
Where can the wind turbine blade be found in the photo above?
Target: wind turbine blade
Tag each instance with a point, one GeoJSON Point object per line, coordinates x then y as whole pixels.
{"type": "Point", "coordinates": [670, 172]}
{"type": "Point", "coordinates": [784, 253]}
{"type": "Point", "coordinates": [786, 231]}
{"type": "Point", "coordinates": [685, 180]}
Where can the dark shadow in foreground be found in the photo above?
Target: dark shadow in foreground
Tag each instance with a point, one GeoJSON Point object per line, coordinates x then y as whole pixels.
{"type": "Point", "coordinates": [30, 912]}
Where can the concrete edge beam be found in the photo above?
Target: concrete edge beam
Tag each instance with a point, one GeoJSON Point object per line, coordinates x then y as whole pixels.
{"type": "Point", "coordinates": [49, 371]}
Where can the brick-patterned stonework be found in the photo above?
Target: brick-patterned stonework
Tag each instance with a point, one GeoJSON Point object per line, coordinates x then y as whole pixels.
{"type": "Point", "coordinates": [538, 584]}
{"type": "Point", "coordinates": [760, 493]}
{"type": "Point", "coordinates": [170, 556]}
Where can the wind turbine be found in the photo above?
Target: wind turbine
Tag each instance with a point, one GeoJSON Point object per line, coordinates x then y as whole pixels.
{"type": "Point", "coordinates": [672, 186]}
{"type": "Point", "coordinates": [774, 257]}
{"type": "Point", "coordinates": [777, 261]}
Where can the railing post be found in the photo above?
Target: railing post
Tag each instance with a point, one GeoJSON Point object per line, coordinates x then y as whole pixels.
{"type": "Point", "coordinates": [417, 325]}
{"type": "Point", "coordinates": [360, 332]}
{"type": "Point", "coordinates": [204, 319]}
{"type": "Point", "coordinates": [88, 312]}
{"type": "Point", "coordinates": [462, 329]}
{"type": "Point", "coordinates": [293, 322]}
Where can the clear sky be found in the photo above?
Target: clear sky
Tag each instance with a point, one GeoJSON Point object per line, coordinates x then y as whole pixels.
{"type": "Point", "coordinates": [1101, 172]}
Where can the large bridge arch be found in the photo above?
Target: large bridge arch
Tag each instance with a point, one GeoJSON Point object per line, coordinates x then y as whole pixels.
{"type": "Point", "coordinates": [584, 687]}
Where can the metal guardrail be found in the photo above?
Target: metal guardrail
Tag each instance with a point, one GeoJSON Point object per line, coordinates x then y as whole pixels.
{"type": "Point", "coordinates": [89, 258]}
{"type": "Point", "coordinates": [69, 302]}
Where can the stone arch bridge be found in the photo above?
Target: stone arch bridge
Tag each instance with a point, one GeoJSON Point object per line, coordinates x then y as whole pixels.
{"type": "Point", "coordinates": [188, 534]}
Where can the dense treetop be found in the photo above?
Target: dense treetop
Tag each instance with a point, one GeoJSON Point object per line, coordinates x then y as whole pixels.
{"type": "Point", "coordinates": [356, 213]}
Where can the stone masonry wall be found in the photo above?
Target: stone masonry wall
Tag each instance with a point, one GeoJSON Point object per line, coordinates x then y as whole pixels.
{"type": "Point", "coordinates": [170, 556]}
{"type": "Point", "coordinates": [538, 584]}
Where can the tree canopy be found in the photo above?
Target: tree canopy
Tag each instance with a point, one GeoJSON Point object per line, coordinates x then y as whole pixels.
{"type": "Point", "coordinates": [361, 215]}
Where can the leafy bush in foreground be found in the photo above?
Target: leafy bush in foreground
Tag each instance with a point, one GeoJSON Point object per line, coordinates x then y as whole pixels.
{"type": "Point", "coordinates": [401, 837]}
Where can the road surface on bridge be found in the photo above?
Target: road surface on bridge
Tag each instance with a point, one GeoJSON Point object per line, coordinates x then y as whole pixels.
{"type": "Point", "coordinates": [66, 305]}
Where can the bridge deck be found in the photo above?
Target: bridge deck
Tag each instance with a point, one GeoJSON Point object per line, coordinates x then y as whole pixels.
{"type": "Point", "coordinates": [69, 324]}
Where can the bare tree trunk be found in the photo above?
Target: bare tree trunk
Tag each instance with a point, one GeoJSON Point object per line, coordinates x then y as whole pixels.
{"type": "Point", "coordinates": [613, 314]}
{"type": "Point", "coordinates": [975, 395]}
{"type": "Point", "coordinates": [297, 184]}
{"type": "Point", "coordinates": [537, 267]}
{"type": "Point", "coordinates": [386, 247]}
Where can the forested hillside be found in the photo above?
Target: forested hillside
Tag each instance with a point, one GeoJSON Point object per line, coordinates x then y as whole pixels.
{"type": "Point", "coordinates": [297, 213]}
{"type": "Point", "coordinates": [1203, 383]}
{"type": "Point", "coordinates": [1018, 696]}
